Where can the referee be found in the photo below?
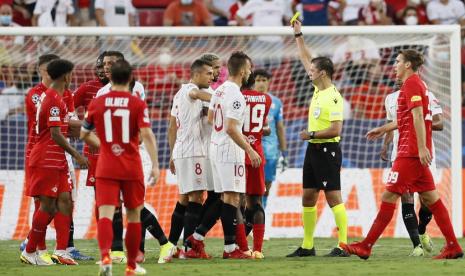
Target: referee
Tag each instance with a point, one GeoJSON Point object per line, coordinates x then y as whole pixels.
{"type": "Point", "coordinates": [322, 163]}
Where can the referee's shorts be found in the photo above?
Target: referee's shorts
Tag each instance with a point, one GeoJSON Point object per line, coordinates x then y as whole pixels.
{"type": "Point", "coordinates": [322, 167]}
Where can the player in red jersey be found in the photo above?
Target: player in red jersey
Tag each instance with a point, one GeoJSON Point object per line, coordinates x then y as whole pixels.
{"type": "Point", "coordinates": [255, 126]}
{"type": "Point", "coordinates": [119, 118]}
{"type": "Point", "coordinates": [49, 169]}
{"type": "Point", "coordinates": [410, 171]}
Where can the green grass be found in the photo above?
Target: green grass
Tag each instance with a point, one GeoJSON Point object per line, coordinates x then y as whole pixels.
{"type": "Point", "coordinates": [390, 257]}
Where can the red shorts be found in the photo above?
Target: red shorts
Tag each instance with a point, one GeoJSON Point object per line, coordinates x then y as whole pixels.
{"type": "Point", "coordinates": [255, 180]}
{"type": "Point", "coordinates": [409, 175]}
{"type": "Point", "coordinates": [91, 170]}
{"type": "Point", "coordinates": [49, 182]}
{"type": "Point", "coordinates": [27, 179]}
{"type": "Point", "coordinates": [107, 192]}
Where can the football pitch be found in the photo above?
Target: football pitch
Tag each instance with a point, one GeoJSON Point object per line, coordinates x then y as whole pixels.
{"type": "Point", "coordinates": [390, 257]}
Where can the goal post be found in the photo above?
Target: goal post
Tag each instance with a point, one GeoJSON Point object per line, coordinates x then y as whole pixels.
{"type": "Point", "coordinates": [363, 58]}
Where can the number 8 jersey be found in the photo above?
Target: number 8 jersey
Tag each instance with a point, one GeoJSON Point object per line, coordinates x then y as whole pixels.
{"type": "Point", "coordinates": [227, 103]}
{"type": "Point", "coordinates": [117, 118]}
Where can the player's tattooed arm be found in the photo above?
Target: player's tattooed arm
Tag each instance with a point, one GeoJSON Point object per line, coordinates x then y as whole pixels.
{"type": "Point", "coordinates": [61, 141]}
{"type": "Point", "coordinates": [241, 141]}
{"type": "Point", "coordinates": [438, 122]}
{"type": "Point", "coordinates": [172, 129]}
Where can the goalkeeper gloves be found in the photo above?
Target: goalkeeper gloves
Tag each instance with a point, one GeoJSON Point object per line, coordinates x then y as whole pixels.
{"type": "Point", "coordinates": [282, 162]}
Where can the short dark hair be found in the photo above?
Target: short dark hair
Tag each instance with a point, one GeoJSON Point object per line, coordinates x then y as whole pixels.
{"type": "Point", "coordinates": [99, 61]}
{"type": "Point", "coordinates": [236, 61]}
{"type": "Point", "coordinates": [262, 73]}
{"type": "Point", "coordinates": [248, 85]}
{"type": "Point", "coordinates": [116, 54]}
{"type": "Point", "coordinates": [121, 72]}
{"type": "Point", "coordinates": [59, 67]}
{"type": "Point", "coordinates": [47, 58]}
{"type": "Point", "coordinates": [414, 57]}
{"type": "Point", "coordinates": [199, 64]}
{"type": "Point", "coordinates": [324, 64]}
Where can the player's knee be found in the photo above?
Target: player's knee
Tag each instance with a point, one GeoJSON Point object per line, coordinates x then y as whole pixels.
{"type": "Point", "coordinates": [429, 198]}
{"type": "Point", "coordinates": [196, 196]}
{"type": "Point", "coordinates": [333, 198]}
{"type": "Point", "coordinates": [183, 200]}
{"type": "Point", "coordinates": [407, 198]}
{"type": "Point", "coordinates": [309, 198]}
{"type": "Point", "coordinates": [133, 214]}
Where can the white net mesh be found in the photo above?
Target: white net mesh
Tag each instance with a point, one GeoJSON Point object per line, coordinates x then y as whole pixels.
{"type": "Point", "coordinates": [364, 77]}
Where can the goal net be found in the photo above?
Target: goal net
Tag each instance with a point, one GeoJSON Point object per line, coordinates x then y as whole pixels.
{"type": "Point", "coordinates": [363, 56]}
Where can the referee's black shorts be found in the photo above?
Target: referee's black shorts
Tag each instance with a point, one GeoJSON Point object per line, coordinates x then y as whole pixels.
{"type": "Point", "coordinates": [322, 167]}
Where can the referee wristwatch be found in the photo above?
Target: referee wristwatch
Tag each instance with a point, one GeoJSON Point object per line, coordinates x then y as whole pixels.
{"type": "Point", "coordinates": [312, 134]}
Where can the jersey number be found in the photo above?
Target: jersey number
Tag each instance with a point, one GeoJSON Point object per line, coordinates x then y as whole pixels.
{"type": "Point", "coordinates": [255, 116]}
{"type": "Point", "coordinates": [124, 114]}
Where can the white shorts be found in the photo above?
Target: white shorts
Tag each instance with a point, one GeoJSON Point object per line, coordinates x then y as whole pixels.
{"type": "Point", "coordinates": [191, 174]}
{"type": "Point", "coordinates": [209, 175]}
{"type": "Point", "coordinates": [146, 163]}
{"type": "Point", "coordinates": [229, 177]}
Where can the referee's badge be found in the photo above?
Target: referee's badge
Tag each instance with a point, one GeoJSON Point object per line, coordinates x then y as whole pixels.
{"type": "Point", "coordinates": [317, 112]}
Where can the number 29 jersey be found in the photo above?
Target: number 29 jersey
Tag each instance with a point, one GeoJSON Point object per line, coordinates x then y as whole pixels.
{"type": "Point", "coordinates": [256, 111]}
{"type": "Point", "coordinates": [227, 103]}
{"type": "Point", "coordinates": [117, 118]}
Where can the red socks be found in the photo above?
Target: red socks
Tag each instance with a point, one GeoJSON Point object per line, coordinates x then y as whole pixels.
{"type": "Point", "coordinates": [132, 242]}
{"type": "Point", "coordinates": [241, 239]}
{"type": "Point", "coordinates": [441, 216]}
{"type": "Point", "coordinates": [62, 225]}
{"type": "Point", "coordinates": [105, 236]}
{"type": "Point", "coordinates": [385, 214]}
{"type": "Point", "coordinates": [39, 227]}
{"type": "Point", "coordinates": [258, 232]}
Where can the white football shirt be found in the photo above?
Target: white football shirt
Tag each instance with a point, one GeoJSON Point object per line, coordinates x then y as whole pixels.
{"type": "Point", "coordinates": [390, 103]}
{"type": "Point", "coordinates": [138, 90]}
{"type": "Point", "coordinates": [188, 114]}
{"type": "Point", "coordinates": [227, 103]}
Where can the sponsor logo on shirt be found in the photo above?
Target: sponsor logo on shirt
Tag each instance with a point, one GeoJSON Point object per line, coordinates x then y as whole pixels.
{"type": "Point", "coordinates": [117, 149]}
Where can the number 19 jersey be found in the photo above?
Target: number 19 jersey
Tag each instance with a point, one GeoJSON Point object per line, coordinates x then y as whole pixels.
{"type": "Point", "coordinates": [117, 118]}
{"type": "Point", "coordinates": [227, 103]}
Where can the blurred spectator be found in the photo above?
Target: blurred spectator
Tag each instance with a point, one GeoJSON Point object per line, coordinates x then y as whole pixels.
{"type": "Point", "coordinates": [220, 10]}
{"type": "Point", "coordinates": [375, 13]}
{"type": "Point", "coordinates": [232, 13]}
{"type": "Point", "coordinates": [85, 13]}
{"type": "Point", "coordinates": [350, 10]}
{"type": "Point", "coordinates": [187, 13]}
{"type": "Point", "coordinates": [53, 13]}
{"type": "Point", "coordinates": [316, 12]}
{"type": "Point", "coordinates": [23, 11]}
{"type": "Point", "coordinates": [115, 13]}
{"type": "Point", "coordinates": [446, 12]}
{"type": "Point", "coordinates": [399, 7]}
{"type": "Point", "coordinates": [6, 20]}
{"type": "Point", "coordinates": [410, 16]}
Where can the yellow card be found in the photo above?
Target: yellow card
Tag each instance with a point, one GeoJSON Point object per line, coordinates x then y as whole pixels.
{"type": "Point", "coordinates": [295, 17]}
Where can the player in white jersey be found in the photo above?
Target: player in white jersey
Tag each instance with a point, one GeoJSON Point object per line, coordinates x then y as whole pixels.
{"type": "Point", "coordinates": [417, 231]}
{"type": "Point", "coordinates": [227, 152]}
{"type": "Point", "coordinates": [188, 152]}
{"type": "Point", "coordinates": [148, 219]}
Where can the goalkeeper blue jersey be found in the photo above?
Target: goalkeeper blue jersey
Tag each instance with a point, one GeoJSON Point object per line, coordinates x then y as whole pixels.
{"type": "Point", "coordinates": [271, 142]}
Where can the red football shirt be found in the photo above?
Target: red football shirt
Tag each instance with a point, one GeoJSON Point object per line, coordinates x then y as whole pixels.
{"type": "Point", "coordinates": [82, 98]}
{"type": "Point", "coordinates": [256, 110]}
{"type": "Point", "coordinates": [52, 112]}
{"type": "Point", "coordinates": [117, 118]}
{"type": "Point", "coordinates": [32, 98]}
{"type": "Point", "coordinates": [413, 93]}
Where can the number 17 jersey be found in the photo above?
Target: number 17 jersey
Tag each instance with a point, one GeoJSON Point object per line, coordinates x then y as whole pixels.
{"type": "Point", "coordinates": [117, 118]}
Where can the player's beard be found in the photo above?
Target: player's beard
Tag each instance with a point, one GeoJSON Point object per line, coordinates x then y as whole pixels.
{"type": "Point", "coordinates": [104, 80]}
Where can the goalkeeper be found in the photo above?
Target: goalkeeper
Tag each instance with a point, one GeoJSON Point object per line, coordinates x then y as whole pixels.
{"type": "Point", "coordinates": [274, 145]}
{"type": "Point", "coordinates": [322, 165]}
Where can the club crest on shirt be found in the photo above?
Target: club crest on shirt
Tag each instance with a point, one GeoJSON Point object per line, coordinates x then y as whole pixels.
{"type": "Point", "coordinates": [117, 149]}
{"type": "Point", "coordinates": [251, 139]}
{"type": "Point", "coordinates": [236, 105]}
{"type": "Point", "coordinates": [54, 111]}
{"type": "Point", "coordinates": [317, 112]}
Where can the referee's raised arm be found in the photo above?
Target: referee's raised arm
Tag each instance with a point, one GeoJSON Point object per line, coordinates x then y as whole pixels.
{"type": "Point", "coordinates": [304, 52]}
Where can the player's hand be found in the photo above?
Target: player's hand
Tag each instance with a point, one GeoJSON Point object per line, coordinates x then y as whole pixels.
{"type": "Point", "coordinates": [375, 133]}
{"type": "Point", "coordinates": [297, 26]}
{"type": "Point", "coordinates": [254, 158]}
{"type": "Point", "coordinates": [384, 153]}
{"type": "Point", "coordinates": [425, 156]}
{"type": "Point", "coordinates": [304, 135]}
{"type": "Point", "coordinates": [172, 167]}
{"type": "Point", "coordinates": [154, 175]}
{"type": "Point", "coordinates": [82, 162]}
